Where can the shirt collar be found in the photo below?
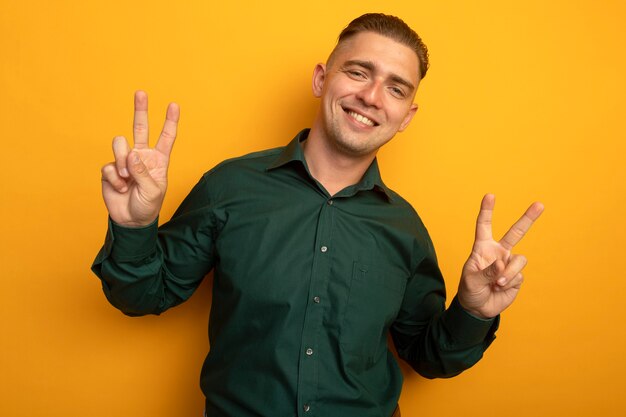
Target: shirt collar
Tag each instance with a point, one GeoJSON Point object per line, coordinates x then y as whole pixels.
{"type": "Point", "coordinates": [371, 180]}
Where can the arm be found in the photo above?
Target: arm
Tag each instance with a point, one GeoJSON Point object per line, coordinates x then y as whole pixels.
{"type": "Point", "coordinates": [438, 342]}
{"type": "Point", "coordinates": [147, 270]}
{"type": "Point", "coordinates": [442, 343]}
{"type": "Point", "coordinates": [132, 263]}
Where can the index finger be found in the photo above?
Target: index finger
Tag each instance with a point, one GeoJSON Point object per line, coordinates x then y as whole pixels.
{"type": "Point", "coordinates": [519, 229]}
{"type": "Point", "coordinates": [140, 121]}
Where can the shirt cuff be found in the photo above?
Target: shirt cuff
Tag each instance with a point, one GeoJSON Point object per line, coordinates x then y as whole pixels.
{"type": "Point", "coordinates": [132, 243]}
{"type": "Point", "coordinates": [467, 329]}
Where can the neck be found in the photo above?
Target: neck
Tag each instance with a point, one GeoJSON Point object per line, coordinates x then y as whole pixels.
{"type": "Point", "coordinates": [332, 168]}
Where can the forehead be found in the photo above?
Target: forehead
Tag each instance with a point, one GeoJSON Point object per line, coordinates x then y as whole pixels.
{"type": "Point", "coordinates": [389, 55]}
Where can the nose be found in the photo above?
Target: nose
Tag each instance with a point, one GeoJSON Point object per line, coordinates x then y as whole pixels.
{"type": "Point", "coordinates": [371, 94]}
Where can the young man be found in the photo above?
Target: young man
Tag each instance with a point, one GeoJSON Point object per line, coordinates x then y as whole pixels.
{"type": "Point", "coordinates": [315, 259]}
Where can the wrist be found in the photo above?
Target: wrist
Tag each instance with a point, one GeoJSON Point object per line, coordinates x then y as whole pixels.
{"type": "Point", "coordinates": [134, 224]}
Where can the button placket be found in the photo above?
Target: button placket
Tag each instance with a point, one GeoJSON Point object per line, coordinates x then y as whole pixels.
{"type": "Point", "coordinates": [310, 355]}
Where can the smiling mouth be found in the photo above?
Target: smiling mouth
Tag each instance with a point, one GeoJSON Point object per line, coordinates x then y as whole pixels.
{"type": "Point", "coordinates": [360, 118]}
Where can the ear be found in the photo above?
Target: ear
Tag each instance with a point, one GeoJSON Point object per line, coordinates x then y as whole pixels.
{"type": "Point", "coordinates": [319, 75]}
{"type": "Point", "coordinates": [408, 117]}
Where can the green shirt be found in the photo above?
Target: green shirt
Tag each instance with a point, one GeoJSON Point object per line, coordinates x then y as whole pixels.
{"type": "Point", "coordinates": [306, 288]}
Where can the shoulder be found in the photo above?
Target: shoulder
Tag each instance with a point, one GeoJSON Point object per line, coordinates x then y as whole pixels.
{"type": "Point", "coordinates": [238, 170]}
{"type": "Point", "coordinates": [238, 176]}
{"type": "Point", "coordinates": [259, 160]}
{"type": "Point", "coordinates": [404, 210]}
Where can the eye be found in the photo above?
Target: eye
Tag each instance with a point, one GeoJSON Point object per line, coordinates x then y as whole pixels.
{"type": "Point", "coordinates": [355, 74]}
{"type": "Point", "coordinates": [397, 92]}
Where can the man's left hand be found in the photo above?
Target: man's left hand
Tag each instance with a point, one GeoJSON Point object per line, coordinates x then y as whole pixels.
{"type": "Point", "coordinates": [492, 276]}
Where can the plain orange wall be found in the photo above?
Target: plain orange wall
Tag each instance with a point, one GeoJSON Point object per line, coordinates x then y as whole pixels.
{"type": "Point", "coordinates": [525, 99]}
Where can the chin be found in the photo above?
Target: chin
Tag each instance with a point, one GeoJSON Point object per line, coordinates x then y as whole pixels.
{"type": "Point", "coordinates": [354, 147]}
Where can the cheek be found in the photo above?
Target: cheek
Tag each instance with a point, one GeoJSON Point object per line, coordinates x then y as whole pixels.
{"type": "Point", "coordinates": [401, 112]}
{"type": "Point", "coordinates": [406, 118]}
{"type": "Point", "coordinates": [342, 88]}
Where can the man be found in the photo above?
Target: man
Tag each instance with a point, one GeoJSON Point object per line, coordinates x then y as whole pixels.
{"type": "Point", "coordinates": [315, 259]}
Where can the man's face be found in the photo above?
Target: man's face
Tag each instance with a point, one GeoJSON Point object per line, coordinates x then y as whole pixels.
{"type": "Point", "coordinates": [366, 92]}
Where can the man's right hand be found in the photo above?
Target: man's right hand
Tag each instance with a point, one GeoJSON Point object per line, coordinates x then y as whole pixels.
{"type": "Point", "coordinates": [134, 185]}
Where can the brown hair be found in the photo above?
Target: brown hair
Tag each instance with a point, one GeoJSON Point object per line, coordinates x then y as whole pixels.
{"type": "Point", "coordinates": [392, 27]}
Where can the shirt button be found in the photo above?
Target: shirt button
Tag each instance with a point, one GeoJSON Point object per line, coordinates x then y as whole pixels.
{"type": "Point", "coordinates": [306, 408]}
{"type": "Point", "coordinates": [309, 352]}
{"type": "Point", "coordinates": [316, 299]}
{"type": "Point", "coordinates": [331, 202]}
{"type": "Point", "coordinates": [324, 249]}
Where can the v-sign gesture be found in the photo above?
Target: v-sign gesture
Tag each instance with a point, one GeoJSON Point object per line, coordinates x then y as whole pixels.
{"type": "Point", "coordinates": [492, 276]}
{"type": "Point", "coordinates": [133, 187]}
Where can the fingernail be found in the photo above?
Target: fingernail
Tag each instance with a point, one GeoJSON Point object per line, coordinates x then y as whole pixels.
{"type": "Point", "coordinates": [501, 281]}
{"type": "Point", "coordinates": [124, 172]}
{"type": "Point", "coordinates": [135, 158]}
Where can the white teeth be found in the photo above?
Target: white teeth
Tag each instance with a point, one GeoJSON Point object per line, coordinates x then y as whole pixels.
{"type": "Point", "coordinates": [361, 118]}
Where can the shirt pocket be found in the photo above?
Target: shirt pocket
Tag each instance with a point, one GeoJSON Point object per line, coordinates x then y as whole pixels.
{"type": "Point", "coordinates": [374, 300]}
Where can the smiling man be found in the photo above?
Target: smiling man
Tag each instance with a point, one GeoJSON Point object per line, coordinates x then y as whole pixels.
{"type": "Point", "coordinates": [316, 261]}
{"type": "Point", "coordinates": [366, 91]}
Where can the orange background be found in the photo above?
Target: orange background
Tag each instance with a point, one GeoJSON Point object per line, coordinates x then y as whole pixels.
{"type": "Point", "coordinates": [525, 99]}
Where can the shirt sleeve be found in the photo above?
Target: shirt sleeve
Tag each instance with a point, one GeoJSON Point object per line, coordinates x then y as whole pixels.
{"type": "Point", "coordinates": [438, 342]}
{"type": "Point", "coordinates": [150, 269]}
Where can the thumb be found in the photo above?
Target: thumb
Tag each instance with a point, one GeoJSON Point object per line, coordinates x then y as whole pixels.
{"type": "Point", "coordinates": [494, 271]}
{"type": "Point", "coordinates": [139, 171]}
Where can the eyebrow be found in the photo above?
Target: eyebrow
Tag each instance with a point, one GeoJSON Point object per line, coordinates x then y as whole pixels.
{"type": "Point", "coordinates": [370, 66]}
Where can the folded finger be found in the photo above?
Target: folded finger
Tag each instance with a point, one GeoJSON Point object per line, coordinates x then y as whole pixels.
{"type": "Point", "coordinates": [120, 152]}
{"type": "Point", "coordinates": [111, 176]}
{"type": "Point", "coordinates": [514, 267]}
{"type": "Point", "coordinates": [515, 282]}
